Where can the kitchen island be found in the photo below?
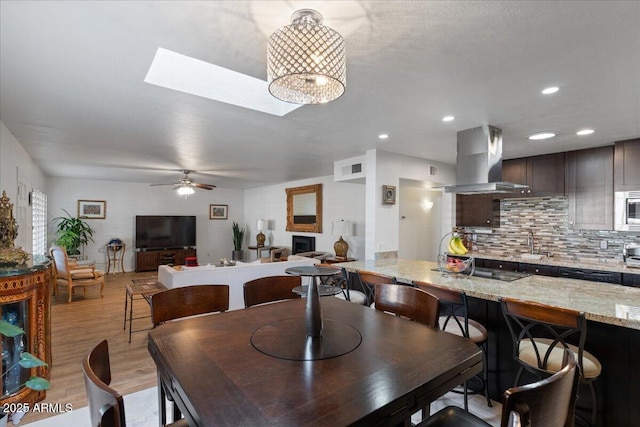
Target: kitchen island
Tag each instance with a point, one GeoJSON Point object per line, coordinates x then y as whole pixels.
{"type": "Point", "coordinates": [612, 311]}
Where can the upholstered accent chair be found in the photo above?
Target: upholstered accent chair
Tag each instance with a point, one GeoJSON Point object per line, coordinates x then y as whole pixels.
{"type": "Point", "coordinates": [68, 273]}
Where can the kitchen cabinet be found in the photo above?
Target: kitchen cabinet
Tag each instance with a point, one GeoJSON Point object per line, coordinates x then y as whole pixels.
{"type": "Point", "coordinates": [540, 270]}
{"type": "Point", "coordinates": [631, 279]}
{"type": "Point", "coordinates": [627, 165]}
{"type": "Point", "coordinates": [477, 210]}
{"type": "Point", "coordinates": [589, 180]}
{"type": "Point", "coordinates": [544, 175]}
{"type": "Point", "coordinates": [500, 265]}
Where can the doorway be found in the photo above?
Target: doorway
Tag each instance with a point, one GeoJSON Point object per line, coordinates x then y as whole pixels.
{"type": "Point", "coordinates": [420, 211]}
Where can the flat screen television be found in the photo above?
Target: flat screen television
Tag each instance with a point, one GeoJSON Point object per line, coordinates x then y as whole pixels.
{"type": "Point", "coordinates": [165, 232]}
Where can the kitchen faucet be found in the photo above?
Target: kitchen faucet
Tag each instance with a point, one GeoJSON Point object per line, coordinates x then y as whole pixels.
{"type": "Point", "coordinates": [530, 240]}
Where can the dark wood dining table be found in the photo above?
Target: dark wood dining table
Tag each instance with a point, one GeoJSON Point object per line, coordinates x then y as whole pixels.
{"type": "Point", "coordinates": [218, 378]}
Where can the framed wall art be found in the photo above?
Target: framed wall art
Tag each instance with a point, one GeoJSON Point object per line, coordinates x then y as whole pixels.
{"type": "Point", "coordinates": [388, 195]}
{"type": "Point", "coordinates": [218, 211]}
{"type": "Point", "coordinates": [92, 209]}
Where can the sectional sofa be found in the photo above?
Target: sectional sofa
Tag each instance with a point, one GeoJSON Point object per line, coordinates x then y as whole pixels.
{"type": "Point", "coordinates": [234, 276]}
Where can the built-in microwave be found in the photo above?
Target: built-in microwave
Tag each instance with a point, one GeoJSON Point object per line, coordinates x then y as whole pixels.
{"type": "Point", "coordinates": [627, 210]}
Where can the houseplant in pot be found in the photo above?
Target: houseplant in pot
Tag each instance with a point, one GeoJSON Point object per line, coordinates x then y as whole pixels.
{"type": "Point", "coordinates": [238, 237]}
{"type": "Point", "coordinates": [72, 233]}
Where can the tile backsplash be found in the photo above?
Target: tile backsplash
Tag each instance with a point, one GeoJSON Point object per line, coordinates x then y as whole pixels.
{"type": "Point", "coordinates": [547, 217]}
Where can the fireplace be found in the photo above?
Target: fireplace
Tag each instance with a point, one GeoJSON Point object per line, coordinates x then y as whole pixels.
{"type": "Point", "coordinates": [302, 244]}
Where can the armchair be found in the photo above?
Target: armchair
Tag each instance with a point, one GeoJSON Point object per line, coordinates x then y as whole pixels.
{"type": "Point", "coordinates": [69, 274]}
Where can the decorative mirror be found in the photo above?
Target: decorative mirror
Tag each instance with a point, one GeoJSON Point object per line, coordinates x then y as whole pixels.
{"type": "Point", "coordinates": [304, 208]}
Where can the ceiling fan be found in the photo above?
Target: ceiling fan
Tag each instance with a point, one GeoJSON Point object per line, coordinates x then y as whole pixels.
{"type": "Point", "coordinates": [186, 186]}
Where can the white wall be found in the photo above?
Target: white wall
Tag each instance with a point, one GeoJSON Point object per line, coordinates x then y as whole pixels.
{"type": "Point", "coordinates": [384, 168]}
{"type": "Point", "coordinates": [126, 200]}
{"type": "Point", "coordinates": [340, 201]}
{"type": "Point", "coordinates": [15, 161]}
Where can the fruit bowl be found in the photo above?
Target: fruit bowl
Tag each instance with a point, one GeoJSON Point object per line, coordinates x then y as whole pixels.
{"type": "Point", "coordinates": [460, 265]}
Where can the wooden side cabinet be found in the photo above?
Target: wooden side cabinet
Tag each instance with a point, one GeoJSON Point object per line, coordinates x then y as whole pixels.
{"type": "Point", "coordinates": [150, 260]}
{"type": "Point", "coordinates": [626, 167]}
{"type": "Point", "coordinates": [589, 178]}
{"type": "Point", "coordinates": [25, 302]}
{"type": "Point", "coordinates": [543, 174]}
{"type": "Point", "coordinates": [477, 210]}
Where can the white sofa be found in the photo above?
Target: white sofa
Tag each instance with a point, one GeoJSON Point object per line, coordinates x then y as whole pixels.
{"type": "Point", "coordinates": [234, 276]}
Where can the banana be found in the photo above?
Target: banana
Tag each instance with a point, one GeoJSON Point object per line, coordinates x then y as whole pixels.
{"type": "Point", "coordinates": [452, 246]}
{"type": "Point", "coordinates": [460, 246]}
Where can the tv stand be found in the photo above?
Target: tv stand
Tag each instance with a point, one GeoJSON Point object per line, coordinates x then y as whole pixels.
{"type": "Point", "coordinates": [150, 259]}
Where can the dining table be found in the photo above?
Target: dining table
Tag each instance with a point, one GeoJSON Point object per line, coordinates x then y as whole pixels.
{"type": "Point", "coordinates": [217, 376]}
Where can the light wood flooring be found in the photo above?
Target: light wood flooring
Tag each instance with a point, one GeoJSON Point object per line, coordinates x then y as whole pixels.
{"type": "Point", "coordinates": [80, 325]}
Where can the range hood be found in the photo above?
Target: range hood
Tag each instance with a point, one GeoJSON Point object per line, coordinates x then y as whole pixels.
{"type": "Point", "coordinates": [479, 166]}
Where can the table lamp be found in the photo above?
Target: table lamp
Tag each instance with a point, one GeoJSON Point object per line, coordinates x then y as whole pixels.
{"type": "Point", "coordinates": [341, 228]}
{"type": "Point", "coordinates": [260, 236]}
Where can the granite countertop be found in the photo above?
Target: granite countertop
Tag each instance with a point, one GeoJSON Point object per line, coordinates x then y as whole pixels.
{"type": "Point", "coordinates": [601, 302]}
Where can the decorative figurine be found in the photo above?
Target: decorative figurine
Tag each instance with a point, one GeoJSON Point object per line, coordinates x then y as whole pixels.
{"type": "Point", "coordinates": [10, 256]}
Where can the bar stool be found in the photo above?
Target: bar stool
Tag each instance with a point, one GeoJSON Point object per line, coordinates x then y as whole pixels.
{"type": "Point", "coordinates": [540, 336]}
{"type": "Point", "coordinates": [454, 318]}
{"type": "Point", "coordinates": [369, 280]}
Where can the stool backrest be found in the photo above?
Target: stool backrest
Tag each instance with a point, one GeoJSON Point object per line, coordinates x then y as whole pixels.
{"type": "Point", "coordinates": [453, 306]}
{"type": "Point", "coordinates": [529, 321]}
{"type": "Point", "coordinates": [106, 406]}
{"type": "Point", "coordinates": [409, 302]}
{"type": "Point", "coordinates": [549, 402]}
{"type": "Point", "coordinates": [268, 289]}
{"type": "Point", "coordinates": [369, 280]}
{"type": "Point", "coordinates": [188, 301]}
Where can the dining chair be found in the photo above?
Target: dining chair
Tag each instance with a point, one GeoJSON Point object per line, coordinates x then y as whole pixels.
{"type": "Point", "coordinates": [454, 318]}
{"type": "Point", "coordinates": [67, 273]}
{"type": "Point", "coordinates": [181, 302]}
{"type": "Point", "coordinates": [106, 406]}
{"type": "Point", "coordinates": [269, 289]}
{"type": "Point", "coordinates": [546, 403]}
{"type": "Point", "coordinates": [540, 334]}
{"type": "Point", "coordinates": [409, 302]}
{"type": "Point", "coordinates": [348, 294]}
{"type": "Point", "coordinates": [369, 280]}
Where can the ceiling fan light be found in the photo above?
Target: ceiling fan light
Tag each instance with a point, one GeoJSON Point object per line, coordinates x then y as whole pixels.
{"type": "Point", "coordinates": [306, 61]}
{"type": "Point", "coordinates": [185, 190]}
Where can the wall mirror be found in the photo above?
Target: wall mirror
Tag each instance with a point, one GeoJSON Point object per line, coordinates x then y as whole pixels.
{"type": "Point", "coordinates": [304, 208]}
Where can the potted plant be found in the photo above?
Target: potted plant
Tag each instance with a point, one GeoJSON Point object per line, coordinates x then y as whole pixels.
{"type": "Point", "coordinates": [238, 237]}
{"type": "Point", "coordinates": [26, 360]}
{"type": "Point", "coordinates": [72, 233]}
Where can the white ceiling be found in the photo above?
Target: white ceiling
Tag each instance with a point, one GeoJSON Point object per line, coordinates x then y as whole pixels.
{"type": "Point", "coordinates": [72, 89]}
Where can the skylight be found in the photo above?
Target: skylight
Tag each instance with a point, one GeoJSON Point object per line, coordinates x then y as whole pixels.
{"type": "Point", "coordinates": [185, 74]}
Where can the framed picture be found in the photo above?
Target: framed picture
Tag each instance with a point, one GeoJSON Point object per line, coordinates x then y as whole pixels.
{"type": "Point", "coordinates": [218, 211]}
{"type": "Point", "coordinates": [388, 195]}
{"type": "Point", "coordinates": [92, 209]}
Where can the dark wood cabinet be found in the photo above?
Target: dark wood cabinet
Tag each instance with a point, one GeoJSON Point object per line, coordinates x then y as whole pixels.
{"type": "Point", "coordinates": [627, 165]}
{"type": "Point", "coordinates": [477, 210]}
{"type": "Point", "coordinates": [539, 269]}
{"type": "Point", "coordinates": [501, 265]}
{"type": "Point", "coordinates": [589, 179]}
{"type": "Point", "coordinates": [544, 175]}
{"type": "Point", "coordinates": [150, 260]}
{"type": "Point", "coordinates": [631, 279]}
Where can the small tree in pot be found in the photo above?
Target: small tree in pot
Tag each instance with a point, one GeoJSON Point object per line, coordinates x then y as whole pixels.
{"type": "Point", "coordinates": [238, 237]}
{"type": "Point", "coordinates": [72, 233]}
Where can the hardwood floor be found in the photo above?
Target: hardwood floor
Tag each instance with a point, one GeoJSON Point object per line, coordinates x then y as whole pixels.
{"type": "Point", "coordinates": [79, 326]}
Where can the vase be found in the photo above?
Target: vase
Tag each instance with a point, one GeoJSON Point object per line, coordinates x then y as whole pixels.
{"type": "Point", "coordinates": [237, 255]}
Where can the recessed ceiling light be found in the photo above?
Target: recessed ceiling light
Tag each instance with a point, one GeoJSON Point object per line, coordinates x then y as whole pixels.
{"type": "Point", "coordinates": [550, 90]}
{"type": "Point", "coordinates": [584, 132]}
{"type": "Point", "coordinates": [542, 135]}
{"type": "Point", "coordinates": [448, 118]}
{"type": "Point", "coordinates": [383, 136]}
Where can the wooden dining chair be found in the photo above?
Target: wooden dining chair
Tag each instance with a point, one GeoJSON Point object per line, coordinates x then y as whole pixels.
{"type": "Point", "coordinates": [67, 273]}
{"type": "Point", "coordinates": [540, 335]}
{"type": "Point", "coordinates": [409, 302]}
{"type": "Point", "coordinates": [269, 289]}
{"type": "Point", "coordinates": [182, 302]}
{"type": "Point", "coordinates": [188, 301]}
{"type": "Point", "coordinates": [369, 280]}
{"type": "Point", "coordinates": [546, 403]}
{"type": "Point", "coordinates": [454, 318]}
{"type": "Point", "coordinates": [106, 406]}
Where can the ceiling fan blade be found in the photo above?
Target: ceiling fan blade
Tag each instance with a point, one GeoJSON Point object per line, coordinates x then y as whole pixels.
{"type": "Point", "coordinates": [204, 186]}
{"type": "Point", "coordinates": [173, 183]}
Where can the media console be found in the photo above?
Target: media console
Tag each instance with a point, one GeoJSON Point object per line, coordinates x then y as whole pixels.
{"type": "Point", "coordinates": [149, 260]}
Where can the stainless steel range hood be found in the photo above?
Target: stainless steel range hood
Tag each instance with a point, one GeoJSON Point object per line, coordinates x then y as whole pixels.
{"type": "Point", "coordinates": [479, 167]}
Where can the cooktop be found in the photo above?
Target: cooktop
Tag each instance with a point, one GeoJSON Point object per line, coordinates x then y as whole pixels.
{"type": "Point", "coordinates": [496, 274]}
